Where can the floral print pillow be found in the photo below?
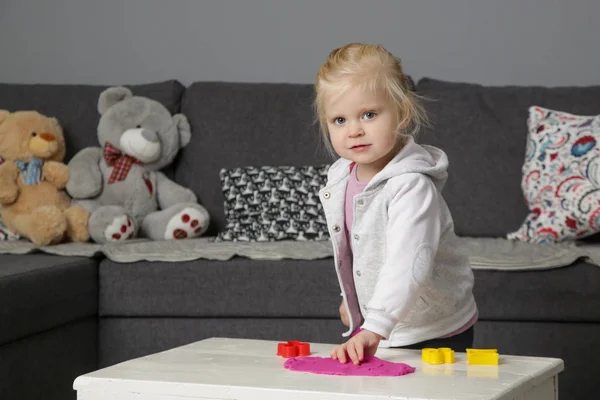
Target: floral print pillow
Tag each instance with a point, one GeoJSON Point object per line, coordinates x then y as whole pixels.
{"type": "Point", "coordinates": [561, 177]}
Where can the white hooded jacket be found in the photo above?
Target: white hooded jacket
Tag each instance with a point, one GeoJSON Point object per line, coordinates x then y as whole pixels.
{"type": "Point", "coordinates": [411, 282]}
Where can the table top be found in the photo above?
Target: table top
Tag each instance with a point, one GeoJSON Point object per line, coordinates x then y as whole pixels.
{"type": "Point", "coordinates": [222, 368]}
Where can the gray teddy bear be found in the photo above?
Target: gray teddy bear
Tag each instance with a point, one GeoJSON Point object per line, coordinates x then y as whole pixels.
{"type": "Point", "coordinates": [120, 184]}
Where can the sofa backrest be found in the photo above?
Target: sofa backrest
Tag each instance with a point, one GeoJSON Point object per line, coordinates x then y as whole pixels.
{"type": "Point", "coordinates": [245, 124]}
{"type": "Point", "coordinates": [75, 106]}
{"type": "Point", "coordinates": [484, 131]}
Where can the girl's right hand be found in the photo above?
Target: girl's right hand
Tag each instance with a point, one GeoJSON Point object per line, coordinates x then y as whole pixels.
{"type": "Point", "coordinates": [344, 315]}
{"type": "Point", "coordinates": [363, 343]}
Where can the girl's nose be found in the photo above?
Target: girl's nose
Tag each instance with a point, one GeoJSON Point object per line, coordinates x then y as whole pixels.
{"type": "Point", "coordinates": [355, 130]}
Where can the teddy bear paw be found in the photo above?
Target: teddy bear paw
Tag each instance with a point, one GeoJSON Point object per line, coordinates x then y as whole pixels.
{"type": "Point", "coordinates": [9, 194]}
{"type": "Point", "coordinates": [122, 228]}
{"type": "Point", "coordinates": [77, 224]}
{"type": "Point", "coordinates": [188, 223]}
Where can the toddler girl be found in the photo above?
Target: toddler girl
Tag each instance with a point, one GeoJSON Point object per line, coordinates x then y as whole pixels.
{"type": "Point", "coordinates": [403, 282]}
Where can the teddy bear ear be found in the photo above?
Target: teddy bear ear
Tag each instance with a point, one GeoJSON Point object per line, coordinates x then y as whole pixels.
{"type": "Point", "coordinates": [112, 96]}
{"type": "Point", "coordinates": [3, 115]}
{"type": "Point", "coordinates": [57, 125]}
{"type": "Point", "coordinates": [183, 127]}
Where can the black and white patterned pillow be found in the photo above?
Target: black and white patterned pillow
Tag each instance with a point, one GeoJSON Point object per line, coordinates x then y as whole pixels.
{"type": "Point", "coordinates": [268, 203]}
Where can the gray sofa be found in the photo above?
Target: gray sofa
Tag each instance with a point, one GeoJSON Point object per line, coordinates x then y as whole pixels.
{"type": "Point", "coordinates": [64, 316]}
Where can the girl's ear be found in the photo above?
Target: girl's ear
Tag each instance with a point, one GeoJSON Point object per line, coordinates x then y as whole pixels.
{"type": "Point", "coordinates": [403, 123]}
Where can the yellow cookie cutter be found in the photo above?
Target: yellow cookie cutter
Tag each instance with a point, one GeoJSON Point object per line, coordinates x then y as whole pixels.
{"type": "Point", "coordinates": [442, 355]}
{"type": "Point", "coordinates": [482, 356]}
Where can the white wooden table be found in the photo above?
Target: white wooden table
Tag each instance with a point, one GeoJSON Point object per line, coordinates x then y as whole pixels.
{"type": "Point", "coordinates": [240, 369]}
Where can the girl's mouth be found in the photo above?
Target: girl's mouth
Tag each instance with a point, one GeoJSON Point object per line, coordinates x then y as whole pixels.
{"type": "Point", "coordinates": [360, 147]}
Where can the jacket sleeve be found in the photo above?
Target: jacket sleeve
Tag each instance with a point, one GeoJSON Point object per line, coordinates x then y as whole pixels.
{"type": "Point", "coordinates": [413, 233]}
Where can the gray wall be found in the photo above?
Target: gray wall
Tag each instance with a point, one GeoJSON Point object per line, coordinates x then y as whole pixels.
{"type": "Point", "coordinates": [543, 42]}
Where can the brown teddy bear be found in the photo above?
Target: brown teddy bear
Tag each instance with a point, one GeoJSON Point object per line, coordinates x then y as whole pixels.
{"type": "Point", "coordinates": [33, 176]}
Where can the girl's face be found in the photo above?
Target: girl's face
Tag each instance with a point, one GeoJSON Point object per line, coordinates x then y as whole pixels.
{"type": "Point", "coordinates": [362, 125]}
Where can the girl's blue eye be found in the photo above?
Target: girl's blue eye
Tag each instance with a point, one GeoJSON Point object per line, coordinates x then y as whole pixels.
{"type": "Point", "coordinates": [339, 120]}
{"type": "Point", "coordinates": [369, 115]}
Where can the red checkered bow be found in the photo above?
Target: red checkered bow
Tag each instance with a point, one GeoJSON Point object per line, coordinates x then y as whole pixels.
{"type": "Point", "coordinates": [120, 162]}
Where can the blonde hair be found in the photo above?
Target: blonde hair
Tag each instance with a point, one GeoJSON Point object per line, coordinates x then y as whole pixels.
{"type": "Point", "coordinates": [372, 67]}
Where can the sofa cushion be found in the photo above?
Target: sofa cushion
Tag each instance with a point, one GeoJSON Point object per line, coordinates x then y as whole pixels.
{"type": "Point", "coordinates": [241, 287]}
{"type": "Point", "coordinates": [238, 287]}
{"type": "Point", "coordinates": [568, 294]}
{"type": "Point", "coordinates": [241, 125]}
{"type": "Point", "coordinates": [484, 130]}
{"type": "Point", "coordinates": [75, 106]}
{"type": "Point", "coordinates": [44, 366]}
{"type": "Point", "coordinates": [39, 292]}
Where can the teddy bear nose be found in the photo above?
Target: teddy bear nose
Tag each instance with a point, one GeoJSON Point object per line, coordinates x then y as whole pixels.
{"type": "Point", "coordinates": [48, 137]}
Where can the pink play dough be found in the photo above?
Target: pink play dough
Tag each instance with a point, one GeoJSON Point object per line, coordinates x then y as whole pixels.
{"type": "Point", "coordinates": [371, 366]}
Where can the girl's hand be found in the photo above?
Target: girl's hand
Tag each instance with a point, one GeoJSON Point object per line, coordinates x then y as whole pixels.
{"type": "Point", "coordinates": [364, 342]}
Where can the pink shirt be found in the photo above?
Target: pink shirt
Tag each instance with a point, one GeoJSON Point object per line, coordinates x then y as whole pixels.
{"type": "Point", "coordinates": [353, 188]}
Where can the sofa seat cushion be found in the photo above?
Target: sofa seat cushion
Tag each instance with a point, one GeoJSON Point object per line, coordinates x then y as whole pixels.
{"type": "Point", "coordinates": [484, 131]}
{"type": "Point", "coordinates": [242, 287]}
{"type": "Point", "coordinates": [39, 292]}
{"type": "Point", "coordinates": [238, 287]}
{"type": "Point", "coordinates": [569, 294]}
